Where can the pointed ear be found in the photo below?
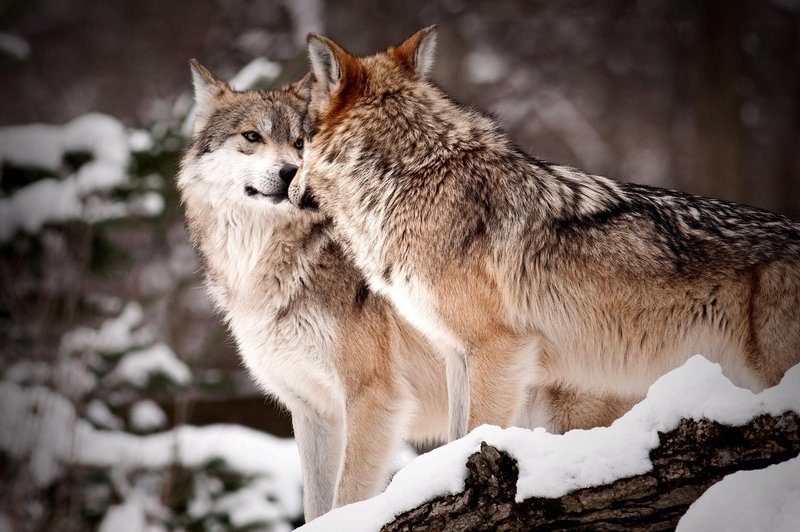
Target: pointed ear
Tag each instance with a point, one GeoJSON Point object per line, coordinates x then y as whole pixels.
{"type": "Point", "coordinates": [419, 51]}
{"type": "Point", "coordinates": [328, 61]}
{"type": "Point", "coordinates": [208, 94]}
{"type": "Point", "coordinates": [302, 87]}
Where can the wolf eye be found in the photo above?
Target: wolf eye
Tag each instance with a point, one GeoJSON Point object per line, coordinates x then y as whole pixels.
{"type": "Point", "coordinates": [251, 136]}
{"type": "Point", "coordinates": [299, 144]}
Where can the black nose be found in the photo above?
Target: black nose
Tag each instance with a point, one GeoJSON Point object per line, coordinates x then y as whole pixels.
{"type": "Point", "coordinates": [287, 173]}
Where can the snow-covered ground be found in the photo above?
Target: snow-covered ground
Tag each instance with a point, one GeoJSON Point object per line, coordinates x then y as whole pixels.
{"type": "Point", "coordinates": [554, 465]}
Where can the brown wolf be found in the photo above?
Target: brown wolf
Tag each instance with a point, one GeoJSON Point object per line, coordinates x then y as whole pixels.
{"type": "Point", "coordinates": [528, 274]}
{"type": "Point", "coordinates": [356, 378]}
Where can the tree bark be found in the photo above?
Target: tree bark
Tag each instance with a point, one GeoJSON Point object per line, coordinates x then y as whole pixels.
{"type": "Point", "coordinates": [687, 461]}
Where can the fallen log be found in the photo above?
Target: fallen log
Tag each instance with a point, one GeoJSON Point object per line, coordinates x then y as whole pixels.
{"type": "Point", "coordinates": [687, 461]}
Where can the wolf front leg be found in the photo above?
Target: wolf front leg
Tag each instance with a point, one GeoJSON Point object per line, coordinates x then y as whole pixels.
{"type": "Point", "coordinates": [374, 422]}
{"type": "Point", "coordinates": [458, 396]}
{"type": "Point", "coordinates": [319, 441]}
{"type": "Point", "coordinates": [499, 372]}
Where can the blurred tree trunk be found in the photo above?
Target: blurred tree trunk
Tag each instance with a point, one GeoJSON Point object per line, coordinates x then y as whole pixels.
{"type": "Point", "coordinates": [720, 163]}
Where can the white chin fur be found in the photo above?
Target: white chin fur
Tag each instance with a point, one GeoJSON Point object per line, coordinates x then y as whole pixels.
{"type": "Point", "coordinates": [227, 172]}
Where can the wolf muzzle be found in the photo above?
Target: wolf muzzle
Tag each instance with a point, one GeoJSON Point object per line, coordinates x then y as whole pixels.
{"type": "Point", "coordinates": [301, 197]}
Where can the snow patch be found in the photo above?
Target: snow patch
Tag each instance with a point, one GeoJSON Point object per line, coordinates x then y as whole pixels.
{"type": "Point", "coordinates": [99, 414]}
{"type": "Point", "coordinates": [138, 367]}
{"type": "Point", "coordinates": [126, 517]}
{"type": "Point", "coordinates": [41, 429]}
{"type": "Point", "coordinates": [242, 450]}
{"type": "Point", "coordinates": [766, 500]}
{"type": "Point", "coordinates": [44, 147]}
{"type": "Point", "coordinates": [38, 427]}
{"type": "Point", "coordinates": [146, 204]}
{"type": "Point", "coordinates": [115, 335]}
{"type": "Point", "coordinates": [28, 372]}
{"type": "Point", "coordinates": [72, 378]}
{"type": "Point", "coordinates": [257, 71]}
{"type": "Point", "coordinates": [484, 66]}
{"type": "Point", "coordinates": [554, 465]}
{"type": "Point", "coordinates": [146, 416]}
{"type": "Point", "coordinates": [251, 505]}
{"type": "Point", "coordinates": [307, 17]}
{"type": "Point", "coordinates": [140, 140]}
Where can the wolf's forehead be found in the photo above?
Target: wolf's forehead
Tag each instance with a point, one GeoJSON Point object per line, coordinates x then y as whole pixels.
{"type": "Point", "coordinates": [279, 121]}
{"type": "Point", "coordinates": [274, 120]}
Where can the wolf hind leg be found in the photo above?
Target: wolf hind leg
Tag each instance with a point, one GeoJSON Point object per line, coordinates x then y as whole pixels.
{"type": "Point", "coordinates": [560, 409]}
{"type": "Point", "coordinates": [576, 410]}
{"type": "Point", "coordinates": [775, 321]}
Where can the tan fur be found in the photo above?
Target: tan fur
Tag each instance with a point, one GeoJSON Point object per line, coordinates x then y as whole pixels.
{"type": "Point", "coordinates": [355, 376]}
{"type": "Point", "coordinates": [568, 409]}
{"type": "Point", "coordinates": [309, 331]}
{"type": "Point", "coordinates": [531, 275]}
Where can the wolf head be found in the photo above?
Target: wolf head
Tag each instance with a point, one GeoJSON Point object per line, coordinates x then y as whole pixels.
{"type": "Point", "coordinates": [370, 117]}
{"type": "Point", "coordinates": [246, 146]}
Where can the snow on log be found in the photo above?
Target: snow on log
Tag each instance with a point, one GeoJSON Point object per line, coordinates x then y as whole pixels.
{"type": "Point", "coordinates": [689, 460]}
{"type": "Point", "coordinates": [641, 473]}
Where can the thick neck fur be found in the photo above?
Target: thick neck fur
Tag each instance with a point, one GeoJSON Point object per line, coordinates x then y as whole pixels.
{"type": "Point", "coordinates": [256, 259]}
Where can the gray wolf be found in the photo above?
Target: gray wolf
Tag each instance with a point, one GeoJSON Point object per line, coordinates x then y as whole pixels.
{"type": "Point", "coordinates": [526, 274]}
{"type": "Point", "coordinates": [355, 376]}
{"type": "Point", "coordinates": [309, 330]}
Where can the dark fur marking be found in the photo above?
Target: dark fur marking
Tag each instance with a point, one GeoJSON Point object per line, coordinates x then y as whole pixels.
{"type": "Point", "coordinates": [362, 294]}
{"type": "Point", "coordinates": [476, 231]}
{"type": "Point", "coordinates": [388, 94]}
{"type": "Point", "coordinates": [332, 155]}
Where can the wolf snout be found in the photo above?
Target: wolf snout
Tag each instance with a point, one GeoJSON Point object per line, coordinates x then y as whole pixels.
{"type": "Point", "coordinates": [287, 173]}
{"type": "Point", "coordinates": [301, 196]}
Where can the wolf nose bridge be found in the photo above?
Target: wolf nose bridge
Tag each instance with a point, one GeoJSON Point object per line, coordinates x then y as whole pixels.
{"type": "Point", "coordinates": [287, 172]}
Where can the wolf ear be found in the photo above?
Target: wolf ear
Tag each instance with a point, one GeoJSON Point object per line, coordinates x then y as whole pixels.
{"type": "Point", "coordinates": [328, 61]}
{"type": "Point", "coordinates": [208, 93]}
{"type": "Point", "coordinates": [302, 87]}
{"type": "Point", "coordinates": [419, 50]}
